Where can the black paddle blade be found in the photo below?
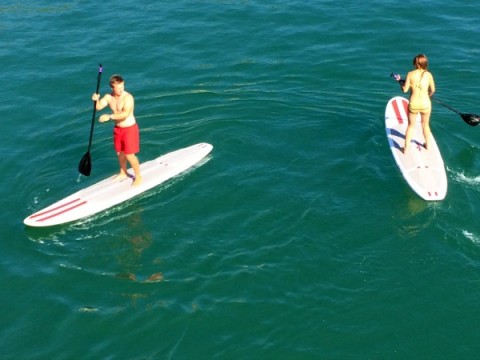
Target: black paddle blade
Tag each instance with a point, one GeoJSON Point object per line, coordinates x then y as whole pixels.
{"type": "Point", "coordinates": [471, 119]}
{"type": "Point", "coordinates": [85, 165]}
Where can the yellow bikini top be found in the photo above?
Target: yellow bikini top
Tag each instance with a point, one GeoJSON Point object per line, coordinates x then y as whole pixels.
{"type": "Point", "coordinates": [418, 85]}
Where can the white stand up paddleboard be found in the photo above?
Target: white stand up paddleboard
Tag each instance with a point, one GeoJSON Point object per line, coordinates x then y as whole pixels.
{"type": "Point", "coordinates": [110, 192]}
{"type": "Point", "coordinates": [423, 169]}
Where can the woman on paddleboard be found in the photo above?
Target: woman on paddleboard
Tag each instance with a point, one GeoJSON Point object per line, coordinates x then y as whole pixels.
{"type": "Point", "coordinates": [126, 136]}
{"type": "Point", "coordinates": [422, 86]}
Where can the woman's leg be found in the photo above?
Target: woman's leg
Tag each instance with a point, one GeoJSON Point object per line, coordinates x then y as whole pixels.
{"type": "Point", "coordinates": [408, 134]}
{"type": "Point", "coordinates": [426, 127]}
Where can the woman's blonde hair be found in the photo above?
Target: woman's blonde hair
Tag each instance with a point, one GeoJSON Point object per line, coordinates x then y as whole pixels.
{"type": "Point", "coordinates": [420, 62]}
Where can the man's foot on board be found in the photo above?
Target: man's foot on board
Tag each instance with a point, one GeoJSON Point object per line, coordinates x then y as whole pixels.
{"type": "Point", "coordinates": [121, 177]}
{"type": "Point", "coordinates": [137, 181]}
{"type": "Point", "coordinates": [425, 146]}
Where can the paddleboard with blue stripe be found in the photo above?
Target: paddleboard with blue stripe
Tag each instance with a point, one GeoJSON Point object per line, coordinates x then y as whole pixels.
{"type": "Point", "coordinates": [423, 169]}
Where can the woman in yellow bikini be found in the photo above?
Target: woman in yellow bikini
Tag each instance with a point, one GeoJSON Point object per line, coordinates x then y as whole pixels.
{"type": "Point", "coordinates": [421, 85]}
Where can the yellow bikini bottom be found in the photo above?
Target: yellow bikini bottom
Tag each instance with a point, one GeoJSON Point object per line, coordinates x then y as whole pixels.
{"type": "Point", "coordinates": [419, 108]}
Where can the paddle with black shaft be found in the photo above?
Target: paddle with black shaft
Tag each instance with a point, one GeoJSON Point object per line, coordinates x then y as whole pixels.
{"type": "Point", "coordinates": [470, 119]}
{"type": "Point", "coordinates": [85, 165]}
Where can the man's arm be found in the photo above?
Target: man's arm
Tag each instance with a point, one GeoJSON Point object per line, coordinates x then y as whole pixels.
{"type": "Point", "coordinates": [100, 103]}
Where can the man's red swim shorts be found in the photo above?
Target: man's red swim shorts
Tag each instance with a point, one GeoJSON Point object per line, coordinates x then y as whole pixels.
{"type": "Point", "coordinates": [126, 139]}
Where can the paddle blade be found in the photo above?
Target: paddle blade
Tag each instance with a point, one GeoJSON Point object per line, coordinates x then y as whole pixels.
{"type": "Point", "coordinates": [471, 119]}
{"type": "Point", "coordinates": [85, 165]}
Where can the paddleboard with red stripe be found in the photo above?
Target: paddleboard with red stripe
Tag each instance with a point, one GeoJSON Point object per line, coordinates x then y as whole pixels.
{"type": "Point", "coordinates": [423, 169]}
{"type": "Point", "coordinates": [111, 192]}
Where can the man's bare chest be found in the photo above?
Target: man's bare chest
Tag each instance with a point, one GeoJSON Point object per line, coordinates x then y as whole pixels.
{"type": "Point", "coordinates": [117, 104]}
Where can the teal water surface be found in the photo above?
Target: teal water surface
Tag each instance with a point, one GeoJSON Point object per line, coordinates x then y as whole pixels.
{"type": "Point", "coordinates": [297, 239]}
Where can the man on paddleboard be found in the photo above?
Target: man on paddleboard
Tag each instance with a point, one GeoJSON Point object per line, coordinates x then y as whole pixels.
{"type": "Point", "coordinates": [421, 85]}
{"type": "Point", "coordinates": [126, 134]}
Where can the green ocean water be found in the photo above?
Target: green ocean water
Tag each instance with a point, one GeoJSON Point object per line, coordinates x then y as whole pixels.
{"type": "Point", "coordinates": [297, 239]}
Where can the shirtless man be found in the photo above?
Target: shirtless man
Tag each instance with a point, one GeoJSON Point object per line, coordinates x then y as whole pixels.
{"type": "Point", "coordinates": [126, 136]}
{"type": "Point", "coordinates": [420, 82]}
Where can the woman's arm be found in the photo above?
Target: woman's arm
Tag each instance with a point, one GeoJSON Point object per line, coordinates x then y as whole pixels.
{"type": "Point", "coordinates": [405, 84]}
{"type": "Point", "coordinates": [431, 86]}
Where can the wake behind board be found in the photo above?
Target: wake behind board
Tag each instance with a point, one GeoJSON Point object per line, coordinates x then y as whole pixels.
{"type": "Point", "coordinates": [423, 169]}
{"type": "Point", "coordinates": [110, 192]}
